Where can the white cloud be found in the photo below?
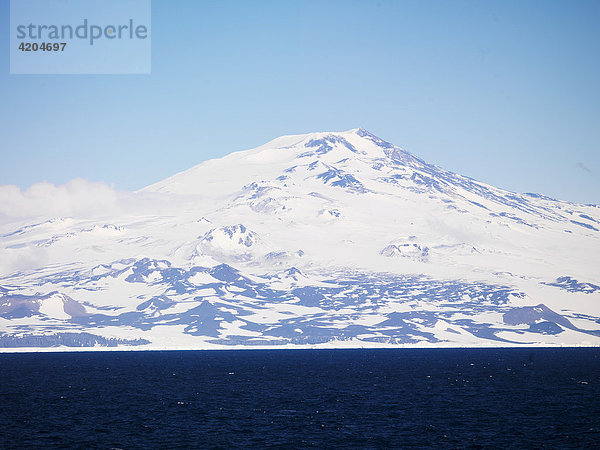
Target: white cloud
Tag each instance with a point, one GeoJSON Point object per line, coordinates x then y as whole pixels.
{"type": "Point", "coordinates": [22, 259]}
{"type": "Point", "coordinates": [77, 198]}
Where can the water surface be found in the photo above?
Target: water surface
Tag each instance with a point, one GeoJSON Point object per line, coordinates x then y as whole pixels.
{"type": "Point", "coordinates": [302, 398]}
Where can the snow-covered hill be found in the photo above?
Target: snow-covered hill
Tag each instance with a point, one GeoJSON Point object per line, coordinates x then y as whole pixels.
{"type": "Point", "coordinates": [326, 239]}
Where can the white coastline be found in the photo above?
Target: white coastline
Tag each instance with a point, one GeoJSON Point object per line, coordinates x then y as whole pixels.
{"type": "Point", "coordinates": [326, 346]}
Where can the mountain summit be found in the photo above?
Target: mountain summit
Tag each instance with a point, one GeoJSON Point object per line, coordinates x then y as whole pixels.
{"type": "Point", "coordinates": [282, 153]}
{"type": "Point", "coordinates": [328, 239]}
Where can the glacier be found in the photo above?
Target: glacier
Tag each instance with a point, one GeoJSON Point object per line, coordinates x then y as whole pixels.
{"type": "Point", "coordinates": [330, 239]}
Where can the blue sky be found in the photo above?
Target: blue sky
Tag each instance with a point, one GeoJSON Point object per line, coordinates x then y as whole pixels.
{"type": "Point", "coordinates": [506, 92]}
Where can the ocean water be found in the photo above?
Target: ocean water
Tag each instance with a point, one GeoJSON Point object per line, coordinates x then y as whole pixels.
{"type": "Point", "coordinates": [452, 398]}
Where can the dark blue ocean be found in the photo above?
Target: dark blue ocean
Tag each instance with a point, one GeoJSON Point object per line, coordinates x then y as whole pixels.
{"type": "Point", "coordinates": [453, 398]}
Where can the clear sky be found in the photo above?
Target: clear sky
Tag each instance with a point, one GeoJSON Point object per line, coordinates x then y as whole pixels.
{"type": "Point", "coordinates": [507, 92]}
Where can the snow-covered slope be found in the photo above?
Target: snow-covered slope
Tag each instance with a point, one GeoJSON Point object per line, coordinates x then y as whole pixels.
{"type": "Point", "coordinates": [326, 239]}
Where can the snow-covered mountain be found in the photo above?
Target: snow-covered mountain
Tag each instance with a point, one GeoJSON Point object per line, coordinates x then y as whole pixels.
{"type": "Point", "coordinates": [323, 239]}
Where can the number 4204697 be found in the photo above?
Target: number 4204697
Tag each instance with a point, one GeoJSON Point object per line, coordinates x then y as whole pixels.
{"type": "Point", "coordinates": [44, 47]}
